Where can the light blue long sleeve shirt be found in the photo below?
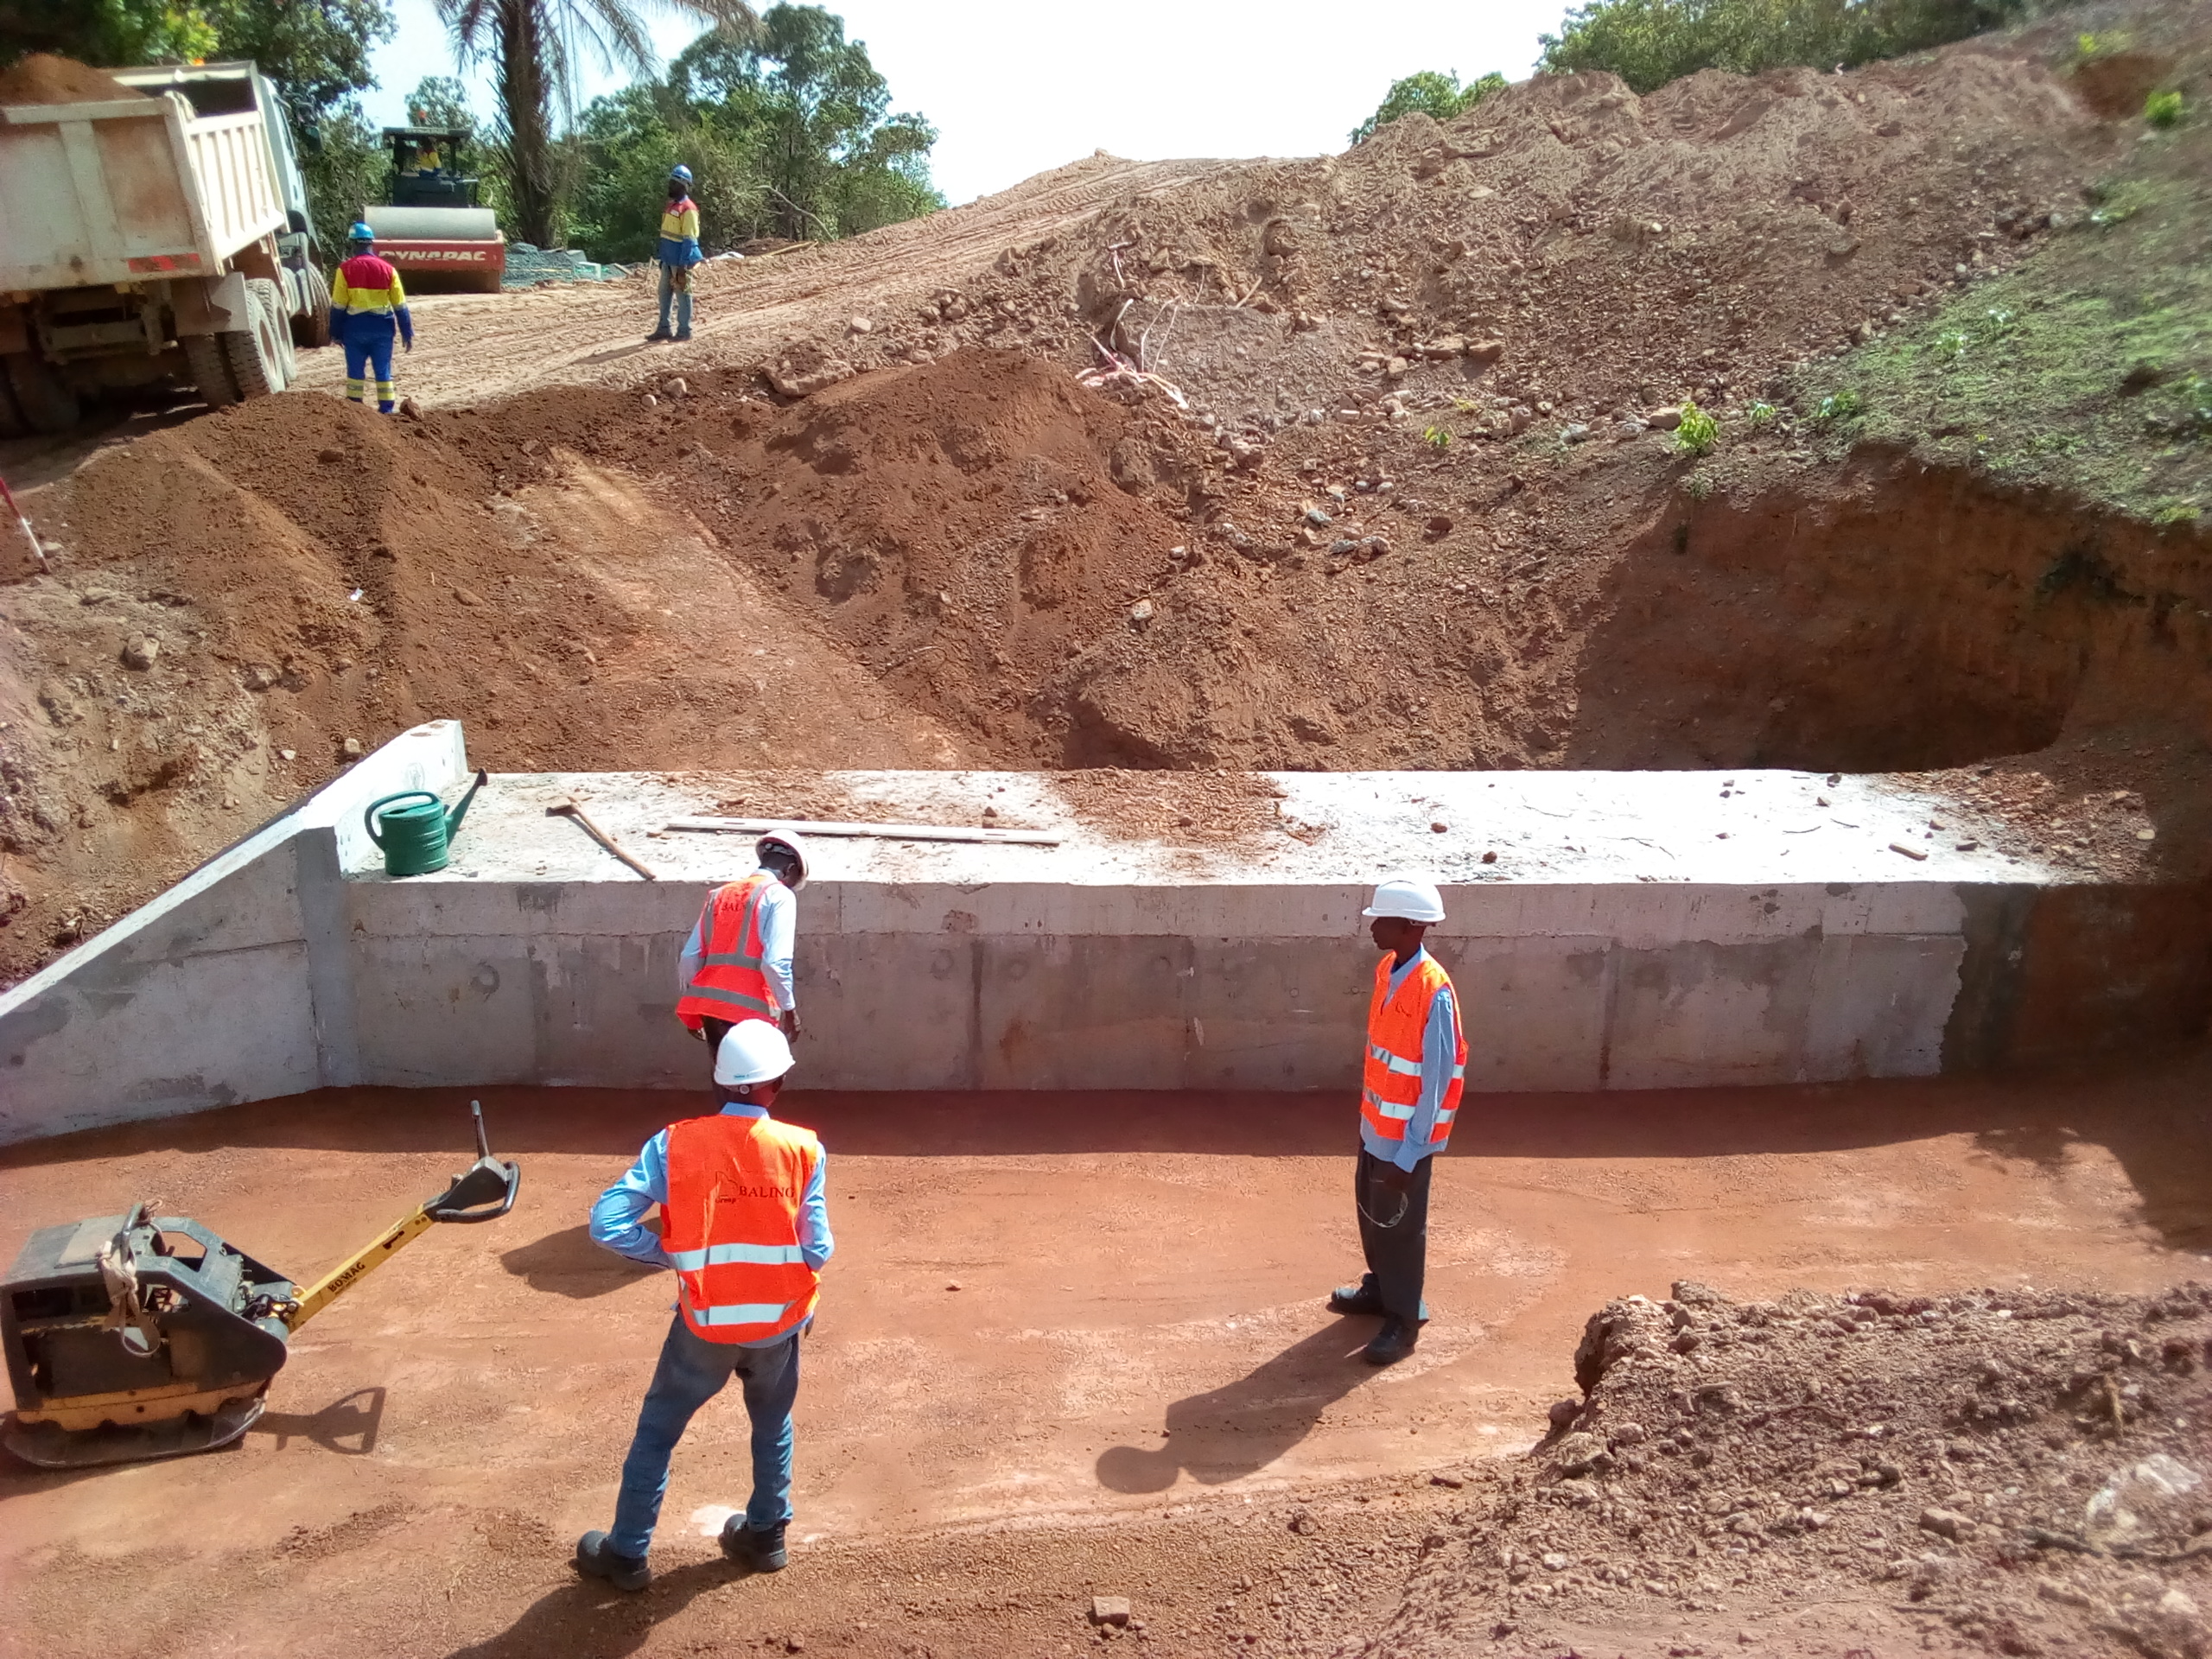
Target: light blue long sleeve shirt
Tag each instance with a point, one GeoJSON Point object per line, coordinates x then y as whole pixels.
{"type": "Point", "coordinates": [1439, 1048]}
{"type": "Point", "coordinates": [617, 1214]}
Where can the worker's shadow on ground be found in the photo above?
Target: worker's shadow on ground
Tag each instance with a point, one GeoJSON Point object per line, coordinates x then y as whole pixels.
{"type": "Point", "coordinates": [585, 1619]}
{"type": "Point", "coordinates": [568, 1263]}
{"type": "Point", "coordinates": [347, 1427]}
{"type": "Point", "coordinates": [1241, 1427]}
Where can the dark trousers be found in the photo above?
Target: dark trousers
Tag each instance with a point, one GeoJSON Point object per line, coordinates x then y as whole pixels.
{"type": "Point", "coordinates": [716, 1029]}
{"type": "Point", "coordinates": [1394, 1235]}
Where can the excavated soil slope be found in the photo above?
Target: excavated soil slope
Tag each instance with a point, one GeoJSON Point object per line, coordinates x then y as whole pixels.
{"type": "Point", "coordinates": [1413, 516]}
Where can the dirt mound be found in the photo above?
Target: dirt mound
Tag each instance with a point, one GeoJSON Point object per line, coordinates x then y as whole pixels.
{"type": "Point", "coordinates": [2017, 1472]}
{"type": "Point", "coordinates": [42, 78]}
{"type": "Point", "coordinates": [247, 601]}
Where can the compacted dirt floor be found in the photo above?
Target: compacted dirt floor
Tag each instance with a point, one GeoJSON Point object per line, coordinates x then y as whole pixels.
{"type": "Point", "coordinates": [1069, 1346]}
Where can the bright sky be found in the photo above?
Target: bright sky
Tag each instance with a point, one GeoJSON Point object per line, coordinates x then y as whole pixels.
{"type": "Point", "coordinates": [1015, 87]}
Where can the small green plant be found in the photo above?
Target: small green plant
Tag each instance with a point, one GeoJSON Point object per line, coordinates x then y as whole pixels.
{"type": "Point", "coordinates": [1437, 439]}
{"type": "Point", "coordinates": [1843, 406]}
{"type": "Point", "coordinates": [1699, 431]}
{"type": "Point", "coordinates": [2163, 109]}
{"type": "Point", "coordinates": [2088, 48]}
{"type": "Point", "coordinates": [2116, 204]}
{"type": "Point", "coordinates": [1759, 415]}
{"type": "Point", "coordinates": [2175, 513]}
{"type": "Point", "coordinates": [1951, 344]}
{"type": "Point", "coordinates": [1466, 406]}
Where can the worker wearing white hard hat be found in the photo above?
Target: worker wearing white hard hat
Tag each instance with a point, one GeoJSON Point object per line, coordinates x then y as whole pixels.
{"type": "Point", "coordinates": [736, 966]}
{"type": "Point", "coordinates": [1415, 1065]}
{"type": "Point", "coordinates": [745, 1224]}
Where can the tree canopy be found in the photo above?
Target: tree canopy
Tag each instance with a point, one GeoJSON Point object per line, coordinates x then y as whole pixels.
{"type": "Point", "coordinates": [788, 133]}
{"type": "Point", "coordinates": [535, 49]}
{"type": "Point", "coordinates": [1649, 43]}
{"type": "Point", "coordinates": [1431, 93]}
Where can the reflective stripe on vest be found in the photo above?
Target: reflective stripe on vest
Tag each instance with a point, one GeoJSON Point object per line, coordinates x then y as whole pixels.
{"type": "Point", "coordinates": [736, 1186]}
{"type": "Point", "coordinates": [730, 983]}
{"type": "Point", "coordinates": [1397, 1027]}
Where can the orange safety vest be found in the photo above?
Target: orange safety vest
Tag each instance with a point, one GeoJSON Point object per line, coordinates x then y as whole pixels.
{"type": "Point", "coordinates": [731, 1225]}
{"type": "Point", "coordinates": [730, 984]}
{"type": "Point", "coordinates": [1395, 1025]}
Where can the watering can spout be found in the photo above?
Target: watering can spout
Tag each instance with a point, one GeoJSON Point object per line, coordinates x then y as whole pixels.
{"type": "Point", "coordinates": [461, 807]}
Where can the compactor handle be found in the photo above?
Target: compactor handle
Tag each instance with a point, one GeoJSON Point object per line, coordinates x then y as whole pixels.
{"type": "Point", "coordinates": [485, 1191]}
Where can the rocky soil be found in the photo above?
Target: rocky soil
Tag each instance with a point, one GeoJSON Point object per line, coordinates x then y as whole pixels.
{"type": "Point", "coordinates": [2014, 1472]}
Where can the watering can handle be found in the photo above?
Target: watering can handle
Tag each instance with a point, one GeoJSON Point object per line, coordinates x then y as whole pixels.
{"type": "Point", "coordinates": [369, 817]}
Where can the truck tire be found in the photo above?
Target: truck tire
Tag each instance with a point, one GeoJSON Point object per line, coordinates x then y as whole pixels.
{"type": "Point", "coordinates": [311, 328]}
{"type": "Point", "coordinates": [42, 397]}
{"type": "Point", "coordinates": [257, 353]}
{"type": "Point", "coordinates": [211, 370]}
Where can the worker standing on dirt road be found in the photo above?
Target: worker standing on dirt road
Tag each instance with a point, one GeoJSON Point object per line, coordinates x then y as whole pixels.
{"type": "Point", "coordinates": [367, 304]}
{"type": "Point", "coordinates": [744, 1222]}
{"type": "Point", "coordinates": [737, 963]}
{"type": "Point", "coordinates": [1416, 1064]}
{"type": "Point", "coordinates": [677, 252]}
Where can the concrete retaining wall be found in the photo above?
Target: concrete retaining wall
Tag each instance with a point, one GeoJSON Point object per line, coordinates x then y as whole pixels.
{"type": "Point", "coordinates": [291, 962]}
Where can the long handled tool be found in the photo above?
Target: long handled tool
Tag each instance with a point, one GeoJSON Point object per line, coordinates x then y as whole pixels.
{"type": "Point", "coordinates": [23, 518]}
{"type": "Point", "coordinates": [564, 806]}
{"type": "Point", "coordinates": [141, 1336]}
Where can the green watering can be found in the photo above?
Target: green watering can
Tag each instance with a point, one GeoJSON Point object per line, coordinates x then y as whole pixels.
{"type": "Point", "coordinates": [416, 837]}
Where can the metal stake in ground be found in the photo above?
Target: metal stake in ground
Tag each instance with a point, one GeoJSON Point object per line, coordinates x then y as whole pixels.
{"type": "Point", "coordinates": [564, 806]}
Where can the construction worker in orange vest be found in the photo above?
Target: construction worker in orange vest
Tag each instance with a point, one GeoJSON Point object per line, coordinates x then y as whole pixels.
{"type": "Point", "coordinates": [744, 1222]}
{"type": "Point", "coordinates": [1416, 1064]}
{"type": "Point", "coordinates": [737, 963]}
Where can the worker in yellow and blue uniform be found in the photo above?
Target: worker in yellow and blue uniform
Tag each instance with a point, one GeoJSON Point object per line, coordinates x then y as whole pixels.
{"type": "Point", "coordinates": [367, 308]}
{"type": "Point", "coordinates": [677, 252]}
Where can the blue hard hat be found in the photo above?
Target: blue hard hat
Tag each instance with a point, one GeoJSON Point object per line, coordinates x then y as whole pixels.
{"type": "Point", "coordinates": [680, 173]}
{"type": "Point", "coordinates": [360, 233]}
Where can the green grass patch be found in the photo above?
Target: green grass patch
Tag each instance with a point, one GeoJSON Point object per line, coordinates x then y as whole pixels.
{"type": "Point", "coordinates": [2086, 367]}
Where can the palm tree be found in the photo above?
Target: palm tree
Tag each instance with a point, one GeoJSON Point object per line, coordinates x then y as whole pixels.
{"type": "Point", "coordinates": [534, 47]}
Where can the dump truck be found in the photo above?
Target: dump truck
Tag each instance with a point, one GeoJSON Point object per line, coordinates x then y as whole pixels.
{"type": "Point", "coordinates": [159, 235]}
{"type": "Point", "coordinates": [432, 231]}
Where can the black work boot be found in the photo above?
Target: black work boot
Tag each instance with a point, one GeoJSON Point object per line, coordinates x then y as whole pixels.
{"type": "Point", "coordinates": [1391, 1344]}
{"type": "Point", "coordinates": [760, 1549]}
{"type": "Point", "coordinates": [681, 335]}
{"type": "Point", "coordinates": [658, 335]}
{"type": "Point", "coordinates": [623, 1572]}
{"type": "Point", "coordinates": [1361, 1298]}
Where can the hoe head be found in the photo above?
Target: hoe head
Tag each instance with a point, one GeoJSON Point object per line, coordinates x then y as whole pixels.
{"type": "Point", "coordinates": [141, 1336]}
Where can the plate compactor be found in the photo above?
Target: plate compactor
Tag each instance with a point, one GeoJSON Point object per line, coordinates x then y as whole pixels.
{"type": "Point", "coordinates": [144, 1336]}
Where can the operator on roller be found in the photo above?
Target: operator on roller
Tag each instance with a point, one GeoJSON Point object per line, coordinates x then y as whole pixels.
{"type": "Point", "coordinates": [744, 1222]}
{"type": "Point", "coordinates": [737, 963]}
{"type": "Point", "coordinates": [1416, 1064]}
{"type": "Point", "coordinates": [677, 252]}
{"type": "Point", "coordinates": [367, 305]}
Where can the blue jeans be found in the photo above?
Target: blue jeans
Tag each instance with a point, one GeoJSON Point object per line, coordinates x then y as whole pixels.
{"type": "Point", "coordinates": [669, 274]}
{"type": "Point", "coordinates": [368, 342]}
{"type": "Point", "coordinates": [691, 1372]}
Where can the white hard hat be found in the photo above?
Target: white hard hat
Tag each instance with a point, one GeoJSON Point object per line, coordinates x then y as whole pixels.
{"type": "Point", "coordinates": [790, 841]}
{"type": "Point", "coordinates": [1407, 900]}
{"type": "Point", "coordinates": [753, 1051]}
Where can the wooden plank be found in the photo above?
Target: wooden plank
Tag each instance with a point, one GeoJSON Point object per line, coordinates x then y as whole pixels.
{"type": "Point", "coordinates": [882, 831]}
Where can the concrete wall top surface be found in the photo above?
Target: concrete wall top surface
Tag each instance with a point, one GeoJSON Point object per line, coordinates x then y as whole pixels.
{"type": "Point", "coordinates": [1509, 829]}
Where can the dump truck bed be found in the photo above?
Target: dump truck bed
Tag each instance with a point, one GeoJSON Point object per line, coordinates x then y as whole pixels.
{"type": "Point", "coordinates": [129, 189]}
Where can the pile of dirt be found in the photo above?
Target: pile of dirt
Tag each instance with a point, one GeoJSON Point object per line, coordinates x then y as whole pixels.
{"type": "Point", "coordinates": [1416, 515]}
{"type": "Point", "coordinates": [43, 78]}
{"type": "Point", "coordinates": [2017, 1472]}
